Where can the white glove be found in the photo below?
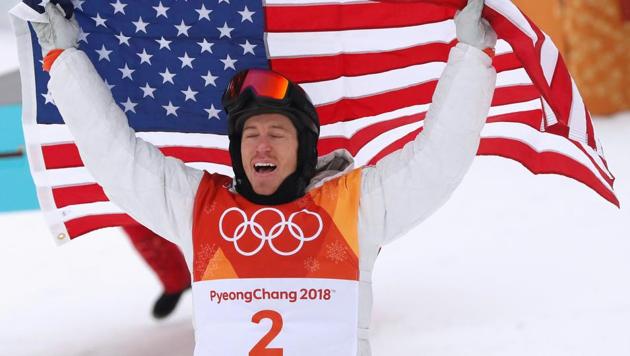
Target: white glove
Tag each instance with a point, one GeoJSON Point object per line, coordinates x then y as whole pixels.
{"type": "Point", "coordinates": [58, 33]}
{"type": "Point", "coordinates": [472, 29]}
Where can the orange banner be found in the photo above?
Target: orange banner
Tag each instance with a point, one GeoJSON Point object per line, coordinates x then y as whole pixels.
{"type": "Point", "coordinates": [594, 38]}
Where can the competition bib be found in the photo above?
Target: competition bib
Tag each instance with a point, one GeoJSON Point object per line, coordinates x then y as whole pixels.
{"type": "Point", "coordinates": [276, 280]}
{"type": "Point", "coordinates": [274, 317]}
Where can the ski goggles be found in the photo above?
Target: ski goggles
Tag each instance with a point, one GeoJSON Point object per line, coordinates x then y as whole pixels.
{"type": "Point", "coordinates": [261, 90]}
{"type": "Point", "coordinates": [263, 83]}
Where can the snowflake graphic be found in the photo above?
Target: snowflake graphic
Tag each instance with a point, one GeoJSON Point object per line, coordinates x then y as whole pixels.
{"type": "Point", "coordinates": [203, 256]}
{"type": "Point", "coordinates": [212, 267]}
{"type": "Point", "coordinates": [331, 194]}
{"type": "Point", "coordinates": [302, 203]}
{"type": "Point", "coordinates": [311, 264]}
{"type": "Point", "coordinates": [212, 207]}
{"type": "Point", "coordinates": [336, 252]}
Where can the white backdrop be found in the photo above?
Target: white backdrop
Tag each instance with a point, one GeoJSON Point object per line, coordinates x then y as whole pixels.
{"type": "Point", "coordinates": [8, 53]}
{"type": "Point", "coordinates": [5, 5]}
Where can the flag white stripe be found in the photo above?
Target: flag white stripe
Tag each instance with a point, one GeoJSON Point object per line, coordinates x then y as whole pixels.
{"type": "Point", "coordinates": [549, 114]}
{"type": "Point", "coordinates": [320, 43]}
{"type": "Point", "coordinates": [548, 59]}
{"type": "Point", "coordinates": [169, 139]}
{"type": "Point", "coordinates": [331, 91]}
{"type": "Point", "coordinates": [62, 177]}
{"type": "Point", "coordinates": [48, 134]}
{"type": "Point", "coordinates": [71, 212]}
{"type": "Point", "coordinates": [213, 168]}
{"type": "Point", "coordinates": [513, 77]}
{"type": "Point", "coordinates": [80, 175]}
{"type": "Point", "coordinates": [58, 134]}
{"type": "Point", "coordinates": [379, 40]}
{"type": "Point", "coordinates": [577, 118]}
{"type": "Point", "coordinates": [514, 108]}
{"type": "Point", "coordinates": [502, 47]}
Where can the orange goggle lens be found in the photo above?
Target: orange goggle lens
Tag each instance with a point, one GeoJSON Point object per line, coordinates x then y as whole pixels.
{"type": "Point", "coordinates": [264, 83]}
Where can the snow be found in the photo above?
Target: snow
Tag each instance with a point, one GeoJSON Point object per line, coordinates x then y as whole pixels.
{"type": "Point", "coordinates": [9, 62]}
{"type": "Point", "coordinates": [9, 58]}
{"type": "Point", "coordinates": [514, 264]}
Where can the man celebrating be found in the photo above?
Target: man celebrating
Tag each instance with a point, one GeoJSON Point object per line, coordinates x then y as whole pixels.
{"type": "Point", "coordinates": [281, 255]}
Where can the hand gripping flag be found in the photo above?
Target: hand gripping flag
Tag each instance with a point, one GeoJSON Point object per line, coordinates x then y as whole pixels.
{"type": "Point", "coordinates": [370, 68]}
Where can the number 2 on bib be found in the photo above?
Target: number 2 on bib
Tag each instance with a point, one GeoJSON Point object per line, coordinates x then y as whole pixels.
{"type": "Point", "coordinates": [260, 349]}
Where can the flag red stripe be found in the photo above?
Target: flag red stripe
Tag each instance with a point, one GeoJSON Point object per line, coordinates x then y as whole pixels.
{"type": "Point", "coordinates": [561, 93]}
{"type": "Point", "coordinates": [395, 146]}
{"type": "Point", "coordinates": [352, 16]}
{"type": "Point", "coordinates": [321, 68]}
{"type": "Point", "coordinates": [506, 61]}
{"type": "Point", "coordinates": [545, 163]}
{"type": "Point", "coordinates": [199, 154]}
{"type": "Point", "coordinates": [348, 109]}
{"type": "Point", "coordinates": [78, 194]}
{"type": "Point", "coordinates": [63, 155]}
{"type": "Point", "coordinates": [66, 155]}
{"type": "Point", "coordinates": [83, 225]}
{"type": "Point", "coordinates": [531, 118]}
{"type": "Point", "coordinates": [515, 94]}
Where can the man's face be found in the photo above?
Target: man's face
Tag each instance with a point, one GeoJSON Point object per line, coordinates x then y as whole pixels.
{"type": "Point", "coordinates": [269, 151]}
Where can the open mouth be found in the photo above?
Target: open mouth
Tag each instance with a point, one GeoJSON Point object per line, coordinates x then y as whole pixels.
{"type": "Point", "coordinates": [264, 167]}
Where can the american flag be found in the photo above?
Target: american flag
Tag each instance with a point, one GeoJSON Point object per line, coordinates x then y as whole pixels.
{"type": "Point", "coordinates": [369, 67]}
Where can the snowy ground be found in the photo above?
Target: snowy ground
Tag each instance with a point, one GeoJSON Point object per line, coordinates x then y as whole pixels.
{"type": "Point", "coordinates": [8, 58]}
{"type": "Point", "coordinates": [514, 264]}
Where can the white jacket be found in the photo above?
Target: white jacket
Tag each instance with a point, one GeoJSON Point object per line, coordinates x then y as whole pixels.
{"type": "Point", "coordinates": [159, 191]}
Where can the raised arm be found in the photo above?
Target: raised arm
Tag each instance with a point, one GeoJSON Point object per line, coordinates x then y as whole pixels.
{"type": "Point", "coordinates": [155, 190]}
{"type": "Point", "coordinates": [407, 186]}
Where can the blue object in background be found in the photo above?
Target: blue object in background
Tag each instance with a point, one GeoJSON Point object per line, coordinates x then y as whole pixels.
{"type": "Point", "coordinates": [17, 190]}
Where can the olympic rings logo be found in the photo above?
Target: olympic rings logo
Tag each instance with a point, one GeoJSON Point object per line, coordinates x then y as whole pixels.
{"type": "Point", "coordinates": [268, 236]}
